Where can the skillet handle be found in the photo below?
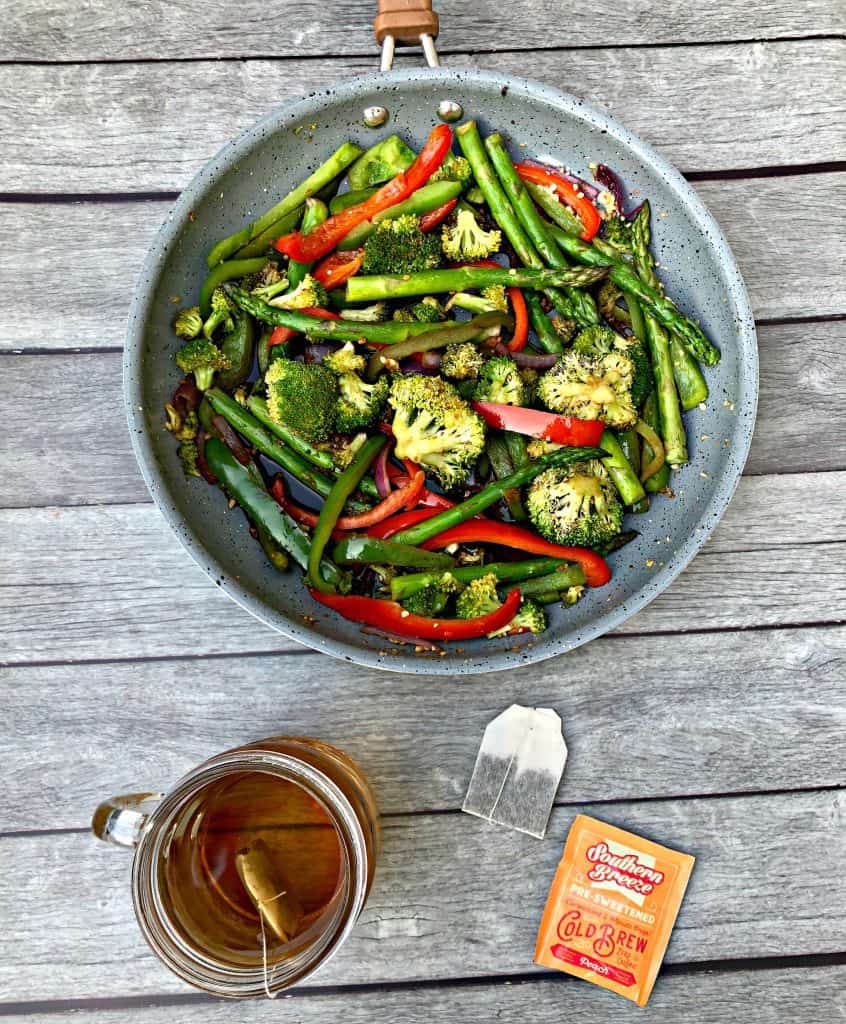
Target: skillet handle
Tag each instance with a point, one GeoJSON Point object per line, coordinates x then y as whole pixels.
{"type": "Point", "coordinates": [407, 22]}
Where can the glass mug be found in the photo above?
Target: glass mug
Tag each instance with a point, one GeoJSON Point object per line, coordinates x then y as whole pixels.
{"type": "Point", "coordinates": [252, 871]}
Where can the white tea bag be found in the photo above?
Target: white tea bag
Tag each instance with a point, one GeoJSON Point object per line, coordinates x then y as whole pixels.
{"type": "Point", "coordinates": [517, 772]}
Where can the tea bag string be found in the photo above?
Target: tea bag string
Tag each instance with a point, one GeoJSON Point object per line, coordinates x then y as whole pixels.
{"type": "Point", "coordinates": [266, 972]}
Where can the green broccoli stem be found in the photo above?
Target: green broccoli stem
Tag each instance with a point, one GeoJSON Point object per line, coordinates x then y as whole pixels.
{"type": "Point", "coordinates": [502, 210]}
{"type": "Point", "coordinates": [321, 459]}
{"type": "Point", "coordinates": [493, 493]}
{"type": "Point", "coordinates": [316, 212]}
{"type": "Point", "coordinates": [230, 271]}
{"type": "Point", "coordinates": [371, 288]}
{"type": "Point", "coordinates": [249, 427]}
{"type": "Point", "coordinates": [424, 200]}
{"type": "Point", "coordinates": [332, 508]}
{"type": "Point", "coordinates": [546, 335]}
{"type": "Point", "coordinates": [581, 304]}
{"type": "Point", "coordinates": [503, 467]}
{"type": "Point", "coordinates": [318, 179]}
{"type": "Point", "coordinates": [619, 468]}
{"type": "Point", "coordinates": [630, 443]}
{"type": "Point", "coordinates": [404, 586]}
{"type": "Point", "coordinates": [245, 487]}
{"type": "Point", "coordinates": [557, 212]}
{"type": "Point", "coordinates": [389, 333]}
{"type": "Point", "coordinates": [660, 480]}
{"type": "Point", "coordinates": [662, 308]}
{"type": "Point", "coordinates": [561, 579]}
{"type": "Point", "coordinates": [262, 243]}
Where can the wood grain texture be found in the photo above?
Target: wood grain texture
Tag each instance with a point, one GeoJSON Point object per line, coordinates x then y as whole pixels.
{"type": "Point", "coordinates": [134, 127]}
{"type": "Point", "coordinates": [453, 896]}
{"type": "Point", "coordinates": [720, 718]}
{"type": "Point", "coordinates": [796, 996]}
{"type": "Point", "coordinates": [86, 458]}
{"type": "Point", "coordinates": [788, 273]}
{"type": "Point", "coordinates": [105, 578]}
{"type": "Point", "coordinates": [156, 30]}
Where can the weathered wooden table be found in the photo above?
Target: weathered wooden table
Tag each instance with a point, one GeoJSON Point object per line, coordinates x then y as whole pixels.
{"type": "Point", "coordinates": [713, 721]}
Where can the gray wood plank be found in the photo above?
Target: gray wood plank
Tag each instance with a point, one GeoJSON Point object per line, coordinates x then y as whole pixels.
{"type": "Point", "coordinates": [104, 579]}
{"type": "Point", "coordinates": [771, 996]}
{"type": "Point", "coordinates": [85, 456]}
{"type": "Point", "coordinates": [134, 127]}
{"type": "Point", "coordinates": [758, 711]}
{"type": "Point", "coordinates": [454, 897]}
{"type": "Point", "coordinates": [157, 30]}
{"type": "Point", "coordinates": [788, 274]}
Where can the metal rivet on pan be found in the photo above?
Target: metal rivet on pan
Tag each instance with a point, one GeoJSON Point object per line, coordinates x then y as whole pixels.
{"type": "Point", "coordinates": [449, 111]}
{"type": "Point", "coordinates": [375, 117]}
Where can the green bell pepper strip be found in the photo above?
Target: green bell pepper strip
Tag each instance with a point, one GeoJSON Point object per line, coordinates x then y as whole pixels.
{"type": "Point", "coordinates": [555, 210]}
{"type": "Point", "coordinates": [321, 459]}
{"type": "Point", "coordinates": [333, 506]}
{"type": "Point", "coordinates": [381, 162]}
{"type": "Point", "coordinates": [630, 444]}
{"type": "Point", "coordinates": [547, 338]}
{"type": "Point", "coordinates": [561, 579]}
{"type": "Point", "coordinates": [250, 494]}
{"type": "Point", "coordinates": [493, 493]}
{"type": "Point", "coordinates": [318, 179]}
{"type": "Point", "coordinates": [373, 551]}
{"type": "Point", "coordinates": [619, 469]}
{"type": "Point", "coordinates": [226, 272]}
{"type": "Point", "coordinates": [351, 198]}
{"type": "Point", "coordinates": [262, 245]}
{"type": "Point", "coordinates": [274, 554]}
{"type": "Point", "coordinates": [404, 586]}
{"type": "Point", "coordinates": [239, 346]}
{"type": "Point", "coordinates": [424, 200]}
{"type": "Point", "coordinates": [315, 214]}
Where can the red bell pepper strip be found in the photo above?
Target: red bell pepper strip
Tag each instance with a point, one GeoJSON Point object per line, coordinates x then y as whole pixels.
{"type": "Point", "coordinates": [392, 617]}
{"type": "Point", "coordinates": [279, 335]}
{"type": "Point", "coordinates": [480, 531]}
{"type": "Point", "coordinates": [338, 268]}
{"type": "Point", "coordinates": [518, 305]}
{"type": "Point", "coordinates": [546, 425]}
{"type": "Point", "coordinates": [401, 521]}
{"type": "Point", "coordinates": [568, 193]}
{"type": "Point", "coordinates": [432, 219]}
{"type": "Point", "coordinates": [324, 238]}
{"type": "Point", "coordinates": [387, 507]}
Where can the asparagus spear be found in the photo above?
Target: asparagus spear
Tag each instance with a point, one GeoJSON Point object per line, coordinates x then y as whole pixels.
{"type": "Point", "coordinates": [620, 470]}
{"type": "Point", "coordinates": [329, 169]}
{"type": "Point", "coordinates": [669, 411]}
{"type": "Point", "coordinates": [547, 338]}
{"type": "Point", "coordinates": [372, 288]}
{"type": "Point", "coordinates": [404, 586]}
{"type": "Point", "coordinates": [582, 304]}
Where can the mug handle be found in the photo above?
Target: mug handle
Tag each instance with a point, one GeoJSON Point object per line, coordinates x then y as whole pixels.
{"type": "Point", "coordinates": [121, 820]}
{"type": "Point", "coordinates": [408, 22]}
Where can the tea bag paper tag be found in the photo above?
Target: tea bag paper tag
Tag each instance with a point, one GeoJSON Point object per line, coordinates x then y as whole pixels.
{"type": "Point", "coordinates": [518, 768]}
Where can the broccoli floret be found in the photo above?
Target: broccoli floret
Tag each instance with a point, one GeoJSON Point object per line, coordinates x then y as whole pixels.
{"type": "Point", "coordinates": [434, 426]}
{"type": "Point", "coordinates": [500, 381]}
{"type": "Point", "coordinates": [222, 309]}
{"type": "Point", "coordinates": [454, 168]}
{"type": "Point", "coordinates": [607, 298]}
{"type": "Point", "coordinates": [404, 316]}
{"type": "Point", "coordinates": [530, 378]}
{"type": "Point", "coordinates": [618, 233]}
{"type": "Point", "coordinates": [591, 388]}
{"type": "Point", "coordinates": [303, 397]}
{"type": "Point", "coordinates": [346, 360]}
{"type": "Point", "coordinates": [398, 246]}
{"type": "Point", "coordinates": [465, 240]}
{"type": "Point", "coordinates": [599, 341]}
{"type": "Point", "coordinates": [368, 314]}
{"type": "Point", "coordinates": [308, 293]}
{"type": "Point", "coordinates": [492, 299]}
{"type": "Point", "coordinates": [202, 358]}
{"type": "Point", "coordinates": [462, 361]}
{"type": "Point", "coordinates": [344, 449]}
{"type": "Point", "coordinates": [426, 311]}
{"type": "Point", "coordinates": [188, 323]}
{"type": "Point", "coordinates": [572, 595]}
{"type": "Point", "coordinates": [530, 618]}
{"type": "Point", "coordinates": [564, 328]}
{"type": "Point", "coordinates": [188, 455]}
{"type": "Point", "coordinates": [183, 428]}
{"type": "Point", "coordinates": [430, 601]}
{"type": "Point", "coordinates": [538, 447]}
{"type": "Point", "coordinates": [360, 404]}
{"type": "Point", "coordinates": [479, 597]}
{"type": "Point", "coordinates": [269, 282]}
{"type": "Point", "coordinates": [575, 505]}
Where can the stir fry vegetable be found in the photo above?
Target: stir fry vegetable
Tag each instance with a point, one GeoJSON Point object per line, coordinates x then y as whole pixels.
{"type": "Point", "coordinates": [439, 386]}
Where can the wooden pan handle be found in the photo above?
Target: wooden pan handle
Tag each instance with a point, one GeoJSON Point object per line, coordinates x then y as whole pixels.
{"type": "Point", "coordinates": [405, 20]}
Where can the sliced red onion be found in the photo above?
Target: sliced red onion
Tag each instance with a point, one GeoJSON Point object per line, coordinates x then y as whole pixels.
{"type": "Point", "coordinates": [317, 353]}
{"type": "Point", "coordinates": [186, 397]}
{"type": "Point", "coordinates": [431, 360]}
{"type": "Point", "coordinates": [608, 179]}
{"type": "Point", "coordinates": [231, 440]}
{"type": "Point", "coordinates": [530, 360]}
{"type": "Point", "coordinates": [380, 471]}
{"type": "Point", "coordinates": [633, 213]}
{"type": "Point", "coordinates": [414, 365]}
{"type": "Point", "coordinates": [202, 465]}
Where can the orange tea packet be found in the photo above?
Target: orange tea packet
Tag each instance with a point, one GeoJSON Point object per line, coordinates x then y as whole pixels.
{"type": "Point", "coordinates": [611, 908]}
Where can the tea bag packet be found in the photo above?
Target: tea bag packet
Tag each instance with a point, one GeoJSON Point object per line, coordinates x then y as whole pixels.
{"type": "Point", "coordinates": [518, 769]}
{"type": "Point", "coordinates": [611, 908]}
{"type": "Point", "coordinates": [278, 906]}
